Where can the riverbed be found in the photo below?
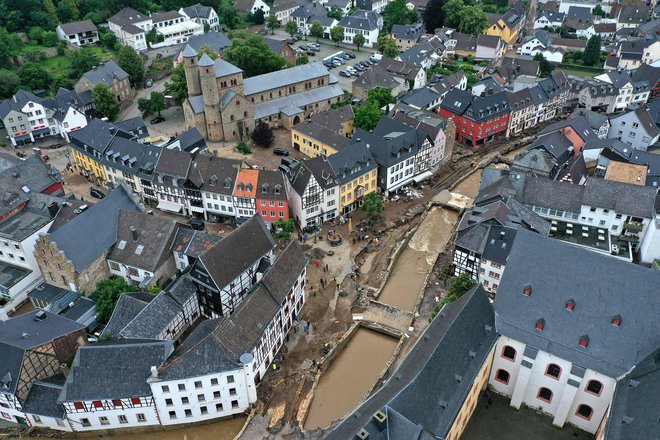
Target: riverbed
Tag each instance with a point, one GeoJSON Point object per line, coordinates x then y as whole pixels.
{"type": "Point", "coordinates": [350, 377]}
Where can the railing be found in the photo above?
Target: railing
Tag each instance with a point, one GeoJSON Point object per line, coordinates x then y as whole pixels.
{"type": "Point", "coordinates": [633, 227]}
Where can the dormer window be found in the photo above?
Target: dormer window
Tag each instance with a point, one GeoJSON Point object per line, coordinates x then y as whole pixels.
{"type": "Point", "coordinates": [616, 320]}
{"type": "Point", "coordinates": [527, 290]}
{"type": "Point", "coordinates": [570, 304]}
{"type": "Point", "coordinates": [241, 187]}
{"type": "Point", "coordinates": [540, 324]}
{"type": "Point", "coordinates": [264, 188]}
{"type": "Point", "coordinates": [584, 340]}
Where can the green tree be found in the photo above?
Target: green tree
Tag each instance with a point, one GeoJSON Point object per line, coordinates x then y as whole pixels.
{"type": "Point", "coordinates": [227, 14]}
{"type": "Point", "coordinates": [205, 48]}
{"type": "Point", "coordinates": [109, 40]}
{"type": "Point", "coordinates": [10, 46]}
{"type": "Point", "coordinates": [367, 115]}
{"type": "Point", "coordinates": [153, 36]}
{"type": "Point", "coordinates": [337, 34]}
{"type": "Point", "coordinates": [94, 16]}
{"type": "Point", "coordinates": [50, 8]}
{"type": "Point", "coordinates": [262, 135]}
{"type": "Point", "coordinates": [9, 83]}
{"type": "Point", "coordinates": [283, 229]}
{"type": "Point", "coordinates": [387, 46]}
{"type": "Point", "coordinates": [207, 28]}
{"type": "Point", "coordinates": [273, 23]}
{"type": "Point", "coordinates": [61, 80]}
{"type": "Point", "coordinates": [452, 10]}
{"type": "Point", "coordinates": [302, 58]}
{"type": "Point", "coordinates": [176, 87]}
{"type": "Point", "coordinates": [473, 20]}
{"type": "Point", "coordinates": [459, 286]}
{"type": "Point", "coordinates": [258, 17]}
{"type": "Point", "coordinates": [591, 54]}
{"type": "Point", "coordinates": [335, 13]}
{"type": "Point", "coordinates": [359, 41]}
{"type": "Point", "coordinates": [382, 96]}
{"type": "Point", "coordinates": [36, 34]}
{"type": "Point", "coordinates": [396, 12]}
{"type": "Point", "coordinates": [33, 76]}
{"type": "Point", "coordinates": [49, 39]}
{"type": "Point", "coordinates": [105, 102]}
{"type": "Point", "coordinates": [316, 30]}
{"type": "Point", "coordinates": [129, 60]}
{"type": "Point", "coordinates": [598, 11]}
{"type": "Point", "coordinates": [372, 204]}
{"type": "Point", "coordinates": [154, 289]}
{"type": "Point", "coordinates": [83, 60]}
{"type": "Point", "coordinates": [243, 148]}
{"type": "Point", "coordinates": [291, 28]}
{"type": "Point", "coordinates": [106, 296]}
{"type": "Point", "coordinates": [250, 53]}
{"type": "Point", "coordinates": [157, 102]}
{"type": "Point", "coordinates": [545, 66]}
{"type": "Point", "coordinates": [434, 15]}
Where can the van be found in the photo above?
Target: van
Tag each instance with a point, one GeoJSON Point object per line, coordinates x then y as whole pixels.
{"type": "Point", "coordinates": [196, 224]}
{"type": "Point", "coordinates": [376, 57]}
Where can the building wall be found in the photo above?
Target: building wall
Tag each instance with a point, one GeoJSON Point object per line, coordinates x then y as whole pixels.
{"type": "Point", "coordinates": [490, 274]}
{"type": "Point", "coordinates": [118, 413]}
{"type": "Point", "coordinates": [349, 199]}
{"type": "Point", "coordinates": [49, 422]}
{"type": "Point", "coordinates": [271, 211]}
{"type": "Point", "coordinates": [88, 165]}
{"type": "Point", "coordinates": [623, 128]}
{"type": "Point", "coordinates": [310, 146]}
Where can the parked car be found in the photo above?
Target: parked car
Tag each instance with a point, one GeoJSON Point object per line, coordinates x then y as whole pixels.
{"type": "Point", "coordinates": [96, 193]}
{"type": "Point", "coordinates": [314, 44]}
{"type": "Point", "coordinates": [364, 64]}
{"type": "Point", "coordinates": [345, 73]}
{"type": "Point", "coordinates": [20, 154]}
{"type": "Point", "coordinates": [350, 54]}
{"type": "Point", "coordinates": [196, 224]}
{"type": "Point", "coordinates": [341, 60]}
{"type": "Point", "coordinates": [311, 53]}
{"type": "Point", "coordinates": [303, 47]}
{"type": "Point", "coordinates": [358, 67]}
{"type": "Point", "coordinates": [376, 57]}
{"type": "Point", "coordinates": [368, 62]}
{"type": "Point", "coordinates": [280, 152]}
{"type": "Point", "coordinates": [157, 120]}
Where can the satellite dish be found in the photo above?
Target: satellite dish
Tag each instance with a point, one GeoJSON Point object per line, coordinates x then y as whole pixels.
{"type": "Point", "coordinates": [246, 358]}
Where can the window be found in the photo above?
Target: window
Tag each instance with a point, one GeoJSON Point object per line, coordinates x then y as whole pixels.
{"type": "Point", "coordinates": [218, 407]}
{"type": "Point", "coordinates": [184, 400]}
{"type": "Point", "coordinates": [85, 422]}
{"type": "Point", "coordinates": [594, 387]}
{"type": "Point", "coordinates": [37, 419]}
{"type": "Point", "coordinates": [502, 376]}
{"type": "Point", "coordinates": [122, 419]}
{"type": "Point", "coordinates": [509, 352]}
{"type": "Point", "coordinates": [545, 395]}
{"type": "Point", "coordinates": [97, 404]}
{"type": "Point", "coordinates": [234, 403]}
{"type": "Point", "coordinates": [216, 394]}
{"type": "Point", "coordinates": [172, 414]}
{"type": "Point", "coordinates": [584, 411]}
{"type": "Point", "coordinates": [204, 410]}
{"type": "Point", "coordinates": [232, 391]}
{"type": "Point", "coordinates": [188, 413]}
{"type": "Point", "coordinates": [553, 370]}
{"type": "Point", "coordinates": [230, 379]}
{"type": "Point", "coordinates": [527, 290]}
{"type": "Point", "coordinates": [117, 403]}
{"type": "Point", "coordinates": [201, 398]}
{"type": "Point", "coordinates": [104, 420]}
{"type": "Point", "coordinates": [78, 405]}
{"type": "Point", "coordinates": [136, 400]}
{"type": "Point", "coordinates": [165, 389]}
{"type": "Point", "coordinates": [214, 381]}
{"type": "Point", "coordinates": [168, 402]}
{"type": "Point", "coordinates": [198, 384]}
{"type": "Point", "coordinates": [616, 320]}
{"type": "Point", "coordinates": [182, 387]}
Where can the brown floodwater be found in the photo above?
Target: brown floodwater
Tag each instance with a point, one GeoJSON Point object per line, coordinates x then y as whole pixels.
{"type": "Point", "coordinates": [405, 283]}
{"type": "Point", "coordinates": [349, 378]}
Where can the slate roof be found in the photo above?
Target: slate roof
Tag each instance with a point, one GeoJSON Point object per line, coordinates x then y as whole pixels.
{"type": "Point", "coordinates": [157, 17]}
{"type": "Point", "coordinates": [284, 77]}
{"type": "Point", "coordinates": [633, 14]}
{"type": "Point", "coordinates": [283, 273]}
{"type": "Point", "coordinates": [552, 16]}
{"type": "Point", "coordinates": [498, 244]}
{"type": "Point", "coordinates": [554, 143]}
{"type": "Point", "coordinates": [491, 41]}
{"type": "Point", "coordinates": [270, 185]}
{"type": "Point", "coordinates": [128, 16]}
{"type": "Point", "coordinates": [537, 161]}
{"type": "Point", "coordinates": [421, 98]}
{"type": "Point", "coordinates": [81, 239]}
{"type": "Point", "coordinates": [442, 84]}
{"type": "Point", "coordinates": [403, 68]}
{"type": "Point", "coordinates": [197, 10]}
{"type": "Point", "coordinates": [193, 243]}
{"type": "Point", "coordinates": [429, 122]}
{"type": "Point", "coordinates": [577, 123]}
{"type": "Point", "coordinates": [42, 399]}
{"type": "Point", "coordinates": [318, 167]}
{"type": "Point", "coordinates": [174, 163]}
{"type": "Point", "coordinates": [594, 120]}
{"type": "Point", "coordinates": [78, 27]}
{"type": "Point", "coordinates": [353, 161]}
{"type": "Point", "coordinates": [128, 306]}
{"type": "Point", "coordinates": [334, 119]}
{"type": "Point", "coordinates": [97, 134]}
{"type": "Point", "coordinates": [363, 20]}
{"type": "Point", "coordinates": [418, 53]}
{"type": "Point", "coordinates": [611, 287]}
{"type": "Point", "coordinates": [105, 72]}
{"type": "Point", "coordinates": [151, 248]}
{"type": "Point", "coordinates": [230, 257]}
{"type": "Point", "coordinates": [399, 140]}
{"type": "Point", "coordinates": [18, 182]}
{"type": "Point", "coordinates": [376, 78]}
{"type": "Point", "coordinates": [322, 134]}
{"type": "Point", "coordinates": [408, 31]}
{"type": "Point", "coordinates": [478, 108]}
{"type": "Point", "coordinates": [217, 41]}
{"type": "Point", "coordinates": [126, 368]}
{"type": "Point", "coordinates": [499, 184]}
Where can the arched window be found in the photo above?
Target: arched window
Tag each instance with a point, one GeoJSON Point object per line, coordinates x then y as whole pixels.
{"type": "Point", "coordinates": [508, 352]}
{"type": "Point", "coordinates": [544, 394]}
{"type": "Point", "coordinates": [594, 387]}
{"type": "Point", "coordinates": [553, 370]}
{"type": "Point", "coordinates": [502, 376]}
{"type": "Point", "coordinates": [584, 411]}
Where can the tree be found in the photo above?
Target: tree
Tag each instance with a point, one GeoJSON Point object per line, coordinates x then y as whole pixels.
{"type": "Point", "coordinates": [396, 12]}
{"type": "Point", "coordinates": [61, 80]}
{"type": "Point", "coordinates": [258, 17]}
{"type": "Point", "coordinates": [382, 96]}
{"type": "Point", "coordinates": [106, 296]}
{"type": "Point", "coordinates": [109, 40]}
{"type": "Point", "coordinates": [51, 10]}
{"type": "Point", "coordinates": [176, 87]}
{"type": "Point", "coordinates": [473, 20]}
{"type": "Point", "coordinates": [337, 34]}
{"type": "Point", "coordinates": [129, 60]}
{"type": "Point", "coordinates": [452, 10]}
{"type": "Point", "coordinates": [263, 135]}
{"type": "Point", "coordinates": [372, 204]}
{"type": "Point", "coordinates": [83, 60]}
{"type": "Point", "coordinates": [33, 76]}
{"type": "Point", "coordinates": [9, 83]}
{"type": "Point", "coordinates": [316, 30]}
{"type": "Point", "coordinates": [105, 101]}
{"type": "Point", "coordinates": [359, 41]}
{"type": "Point", "coordinates": [10, 46]}
{"type": "Point", "coordinates": [283, 229]}
{"type": "Point", "coordinates": [273, 23]}
{"type": "Point", "coordinates": [387, 46]}
{"type": "Point", "coordinates": [434, 15]}
{"type": "Point", "coordinates": [367, 115]}
{"type": "Point", "coordinates": [153, 36]}
{"type": "Point", "coordinates": [207, 28]}
{"type": "Point", "coordinates": [154, 104]}
{"type": "Point", "coordinates": [598, 11]}
{"type": "Point", "coordinates": [243, 148]}
{"type": "Point", "coordinates": [459, 286]}
{"type": "Point", "coordinates": [545, 66]}
{"type": "Point", "coordinates": [335, 13]}
{"type": "Point", "coordinates": [302, 58]}
{"type": "Point", "coordinates": [71, 7]}
{"type": "Point", "coordinates": [291, 28]}
{"type": "Point", "coordinates": [250, 53]}
{"type": "Point", "coordinates": [95, 17]}
{"type": "Point", "coordinates": [36, 34]}
{"type": "Point", "coordinates": [227, 14]}
{"type": "Point", "coordinates": [49, 39]}
{"type": "Point", "coordinates": [205, 48]}
{"type": "Point", "coordinates": [591, 54]}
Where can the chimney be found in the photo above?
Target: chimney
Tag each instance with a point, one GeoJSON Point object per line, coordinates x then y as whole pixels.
{"type": "Point", "coordinates": [154, 371]}
{"type": "Point", "coordinates": [64, 369]}
{"type": "Point", "coordinates": [135, 234]}
{"type": "Point", "coordinates": [53, 209]}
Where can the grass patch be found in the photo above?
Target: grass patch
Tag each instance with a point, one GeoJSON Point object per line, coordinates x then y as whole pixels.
{"type": "Point", "coordinates": [103, 53]}
{"type": "Point", "coordinates": [56, 64]}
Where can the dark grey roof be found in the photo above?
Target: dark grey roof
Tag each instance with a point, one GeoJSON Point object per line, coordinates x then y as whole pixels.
{"type": "Point", "coordinates": [498, 244]}
{"type": "Point", "coordinates": [128, 306]}
{"type": "Point", "coordinates": [429, 122]}
{"type": "Point", "coordinates": [638, 13]}
{"type": "Point", "coordinates": [27, 176]}
{"type": "Point", "coordinates": [456, 343]}
{"type": "Point", "coordinates": [284, 77]}
{"type": "Point", "coordinates": [105, 72]}
{"type": "Point", "coordinates": [192, 243]}
{"type": "Point", "coordinates": [333, 119]}
{"type": "Point", "coordinates": [408, 31]}
{"type": "Point", "coordinates": [553, 194]}
{"type": "Point", "coordinates": [165, 16]}
{"type": "Point", "coordinates": [135, 126]}
{"type": "Point", "coordinates": [478, 108]}
{"type": "Point", "coordinates": [552, 16]}
{"type": "Point", "coordinates": [270, 185]}
{"type": "Point", "coordinates": [634, 409]}
{"type": "Point", "coordinates": [97, 134]}
{"type": "Point", "coordinates": [499, 184]}
{"type": "Point", "coordinates": [474, 238]}
{"type": "Point", "coordinates": [128, 16]}
{"type": "Point", "coordinates": [174, 163]}
{"type": "Point", "coordinates": [283, 273]}
{"type": "Point", "coordinates": [609, 288]}
{"type": "Point", "coordinates": [78, 27]}
{"type": "Point", "coordinates": [125, 366]}
{"type": "Point", "coordinates": [81, 239]}
{"type": "Point", "coordinates": [354, 160]}
{"type": "Point", "coordinates": [323, 134]}
{"type": "Point", "coordinates": [42, 400]}
{"type": "Point", "coordinates": [317, 167]}
{"type": "Point", "coordinates": [197, 10]}
{"type": "Point", "coordinates": [217, 41]}
{"type": "Point", "coordinates": [376, 78]}
{"type": "Point", "coordinates": [150, 248]}
{"type": "Point", "coordinates": [554, 143]}
{"type": "Point", "coordinates": [594, 120]}
{"type": "Point", "coordinates": [231, 257]}
{"type": "Point", "coordinates": [363, 20]}
{"type": "Point", "coordinates": [624, 198]}
{"type": "Point", "coordinates": [579, 125]}
{"type": "Point", "coordinates": [421, 98]}
{"type": "Point", "coordinates": [417, 54]}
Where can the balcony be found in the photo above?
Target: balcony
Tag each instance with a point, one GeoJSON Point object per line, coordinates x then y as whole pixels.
{"type": "Point", "coordinates": [633, 227]}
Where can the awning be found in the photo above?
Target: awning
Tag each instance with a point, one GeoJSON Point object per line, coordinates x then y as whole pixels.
{"type": "Point", "coordinates": [169, 206]}
{"type": "Point", "coordinates": [197, 209]}
{"type": "Point", "coordinates": [423, 176]}
{"type": "Point", "coordinates": [41, 131]}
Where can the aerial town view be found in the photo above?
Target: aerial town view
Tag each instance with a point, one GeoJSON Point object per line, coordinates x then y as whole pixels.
{"type": "Point", "coordinates": [330, 219]}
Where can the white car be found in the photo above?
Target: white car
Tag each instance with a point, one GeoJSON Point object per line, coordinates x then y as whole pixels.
{"type": "Point", "coordinates": [351, 70]}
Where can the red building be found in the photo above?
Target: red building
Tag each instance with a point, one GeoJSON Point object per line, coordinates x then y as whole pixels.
{"type": "Point", "coordinates": [478, 119]}
{"type": "Point", "coordinates": [271, 200]}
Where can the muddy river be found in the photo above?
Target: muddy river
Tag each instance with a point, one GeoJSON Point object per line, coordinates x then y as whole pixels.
{"type": "Point", "coordinates": [350, 377]}
{"type": "Point", "coordinates": [407, 279]}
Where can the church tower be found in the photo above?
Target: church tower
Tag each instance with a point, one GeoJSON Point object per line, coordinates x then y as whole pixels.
{"type": "Point", "coordinates": [211, 95]}
{"type": "Point", "coordinates": [192, 71]}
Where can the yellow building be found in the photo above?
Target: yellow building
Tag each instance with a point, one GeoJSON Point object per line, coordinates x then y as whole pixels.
{"type": "Point", "coordinates": [314, 140]}
{"type": "Point", "coordinates": [88, 166]}
{"type": "Point", "coordinates": [356, 172]}
{"type": "Point", "coordinates": [506, 27]}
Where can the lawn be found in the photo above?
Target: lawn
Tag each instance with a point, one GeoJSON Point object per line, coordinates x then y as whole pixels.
{"type": "Point", "coordinates": [56, 64]}
{"type": "Point", "coordinates": [578, 72]}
